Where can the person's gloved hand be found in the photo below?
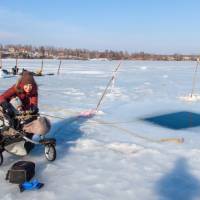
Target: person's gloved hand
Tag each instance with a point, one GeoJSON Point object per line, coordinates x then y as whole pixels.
{"type": "Point", "coordinates": [7, 109]}
{"type": "Point", "coordinates": [7, 122]}
{"type": "Point", "coordinates": [34, 110]}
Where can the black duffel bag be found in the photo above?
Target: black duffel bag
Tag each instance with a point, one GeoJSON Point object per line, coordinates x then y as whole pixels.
{"type": "Point", "coordinates": [20, 172]}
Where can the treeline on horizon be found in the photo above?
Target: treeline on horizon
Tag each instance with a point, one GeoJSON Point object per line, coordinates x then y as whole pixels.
{"type": "Point", "coordinates": [48, 52]}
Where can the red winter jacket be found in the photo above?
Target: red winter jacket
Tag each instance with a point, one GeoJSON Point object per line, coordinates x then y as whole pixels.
{"type": "Point", "coordinates": [28, 99]}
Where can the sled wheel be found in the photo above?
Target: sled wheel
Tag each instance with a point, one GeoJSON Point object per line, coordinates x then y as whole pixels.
{"type": "Point", "coordinates": [1, 159]}
{"type": "Point", "coordinates": [50, 152]}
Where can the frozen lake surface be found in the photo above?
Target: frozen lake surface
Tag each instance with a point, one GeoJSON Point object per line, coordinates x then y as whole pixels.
{"type": "Point", "coordinates": [128, 150]}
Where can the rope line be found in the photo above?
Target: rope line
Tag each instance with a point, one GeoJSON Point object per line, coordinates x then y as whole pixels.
{"type": "Point", "coordinates": [133, 134]}
{"type": "Point", "coordinates": [175, 140]}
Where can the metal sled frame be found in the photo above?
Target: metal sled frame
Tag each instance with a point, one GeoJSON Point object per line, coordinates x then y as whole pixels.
{"type": "Point", "coordinates": [48, 143]}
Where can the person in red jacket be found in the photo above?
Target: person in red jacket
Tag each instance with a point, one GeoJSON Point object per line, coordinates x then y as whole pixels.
{"type": "Point", "coordinates": [25, 89]}
{"type": "Point", "coordinates": [23, 97]}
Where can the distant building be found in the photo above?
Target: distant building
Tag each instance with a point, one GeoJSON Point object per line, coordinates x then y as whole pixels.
{"type": "Point", "coordinates": [11, 50]}
{"type": "Point", "coordinates": [170, 58]}
{"type": "Point", "coordinates": [186, 58]}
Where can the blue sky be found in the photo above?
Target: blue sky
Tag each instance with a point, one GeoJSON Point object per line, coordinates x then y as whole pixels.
{"type": "Point", "coordinates": [155, 26]}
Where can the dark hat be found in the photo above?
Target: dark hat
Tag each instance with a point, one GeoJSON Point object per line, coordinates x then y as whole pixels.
{"type": "Point", "coordinates": [27, 78]}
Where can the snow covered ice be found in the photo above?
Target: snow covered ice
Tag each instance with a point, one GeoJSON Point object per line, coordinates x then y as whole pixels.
{"type": "Point", "coordinates": [116, 154]}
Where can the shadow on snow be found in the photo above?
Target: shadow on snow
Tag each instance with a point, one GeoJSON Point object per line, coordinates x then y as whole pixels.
{"type": "Point", "coordinates": [179, 183]}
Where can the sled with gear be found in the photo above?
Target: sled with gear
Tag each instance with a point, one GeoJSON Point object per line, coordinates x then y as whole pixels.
{"type": "Point", "coordinates": [15, 140]}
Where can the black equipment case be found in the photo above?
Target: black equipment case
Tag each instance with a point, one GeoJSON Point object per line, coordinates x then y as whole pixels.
{"type": "Point", "coordinates": [20, 172]}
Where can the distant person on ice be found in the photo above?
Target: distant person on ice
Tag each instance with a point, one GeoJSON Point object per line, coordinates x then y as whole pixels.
{"type": "Point", "coordinates": [15, 70]}
{"type": "Point", "coordinates": [21, 98]}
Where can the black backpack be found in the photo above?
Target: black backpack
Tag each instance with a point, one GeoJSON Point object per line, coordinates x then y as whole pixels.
{"type": "Point", "coordinates": [20, 172]}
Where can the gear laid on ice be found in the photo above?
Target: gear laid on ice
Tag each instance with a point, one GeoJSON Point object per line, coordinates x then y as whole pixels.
{"type": "Point", "coordinates": [31, 185]}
